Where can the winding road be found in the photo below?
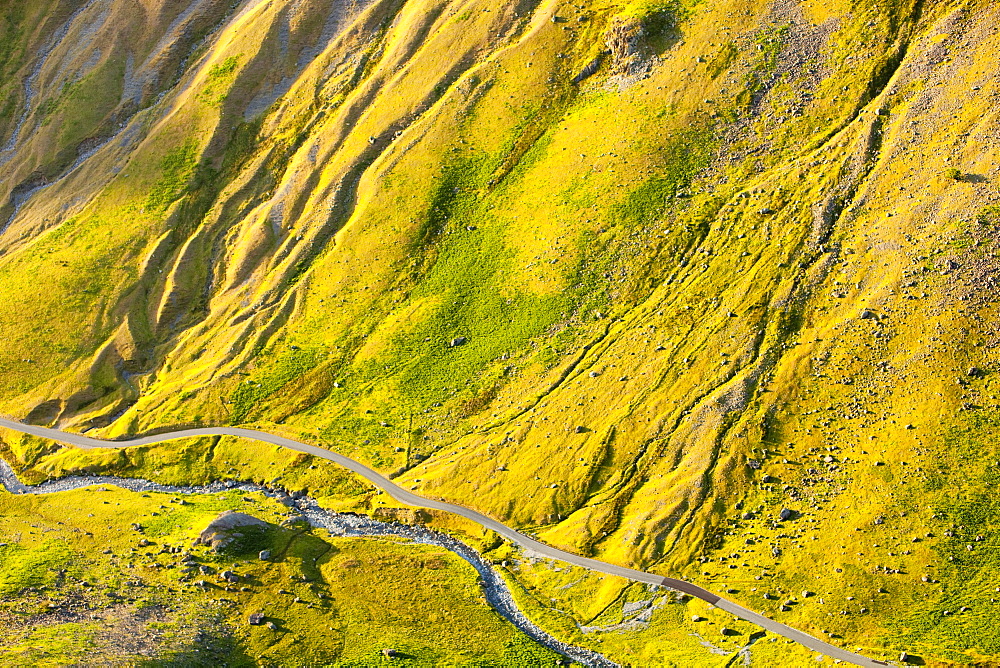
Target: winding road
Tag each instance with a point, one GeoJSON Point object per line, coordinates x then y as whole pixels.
{"type": "Point", "coordinates": [411, 499]}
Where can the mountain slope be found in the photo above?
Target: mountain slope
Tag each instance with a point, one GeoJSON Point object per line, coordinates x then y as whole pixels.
{"type": "Point", "coordinates": [633, 275]}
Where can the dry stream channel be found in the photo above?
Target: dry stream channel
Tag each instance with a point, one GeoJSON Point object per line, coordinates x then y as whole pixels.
{"type": "Point", "coordinates": [339, 524]}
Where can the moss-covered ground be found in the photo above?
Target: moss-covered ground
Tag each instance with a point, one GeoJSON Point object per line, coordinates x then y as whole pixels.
{"type": "Point", "coordinates": [79, 585]}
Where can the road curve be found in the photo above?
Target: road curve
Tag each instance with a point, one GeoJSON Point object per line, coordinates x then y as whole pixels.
{"type": "Point", "coordinates": [411, 499]}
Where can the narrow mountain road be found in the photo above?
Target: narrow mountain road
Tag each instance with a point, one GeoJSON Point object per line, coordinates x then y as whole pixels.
{"type": "Point", "coordinates": [409, 498]}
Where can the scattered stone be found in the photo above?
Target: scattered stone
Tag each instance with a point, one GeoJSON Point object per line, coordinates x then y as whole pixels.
{"type": "Point", "coordinates": [786, 514]}
{"type": "Point", "coordinates": [144, 543]}
{"type": "Point", "coordinates": [697, 618]}
{"type": "Point", "coordinates": [457, 341]}
{"type": "Point", "coordinates": [229, 576]}
{"type": "Point", "coordinates": [256, 619]}
{"type": "Point", "coordinates": [867, 314]}
{"type": "Point", "coordinates": [581, 430]}
{"type": "Point", "coordinates": [748, 515]}
{"type": "Point", "coordinates": [767, 211]}
{"type": "Point", "coordinates": [272, 626]}
{"type": "Point", "coordinates": [391, 653]}
{"type": "Point", "coordinates": [264, 555]}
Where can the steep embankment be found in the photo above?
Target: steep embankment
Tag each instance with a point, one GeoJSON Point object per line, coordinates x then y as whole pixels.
{"type": "Point", "coordinates": [633, 276]}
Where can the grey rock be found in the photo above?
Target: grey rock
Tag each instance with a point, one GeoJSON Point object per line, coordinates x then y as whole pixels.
{"type": "Point", "coordinates": [457, 341]}
{"type": "Point", "coordinates": [217, 532]}
{"type": "Point", "coordinates": [264, 555]}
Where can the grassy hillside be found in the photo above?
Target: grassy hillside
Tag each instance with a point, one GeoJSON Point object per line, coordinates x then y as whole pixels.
{"type": "Point", "coordinates": [631, 276]}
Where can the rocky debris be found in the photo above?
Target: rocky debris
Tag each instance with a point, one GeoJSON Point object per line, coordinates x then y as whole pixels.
{"type": "Point", "coordinates": [974, 372]}
{"type": "Point", "coordinates": [624, 44]}
{"type": "Point", "coordinates": [457, 341]}
{"type": "Point", "coordinates": [229, 576]}
{"type": "Point", "coordinates": [697, 618]}
{"type": "Point", "coordinates": [218, 533]}
{"type": "Point", "coordinates": [206, 570]}
{"type": "Point", "coordinates": [136, 526]}
{"type": "Point", "coordinates": [145, 542]}
{"type": "Point", "coordinates": [767, 212]}
{"type": "Point", "coordinates": [256, 619]}
{"type": "Point", "coordinates": [272, 626]}
{"type": "Point", "coordinates": [391, 653]}
{"type": "Point", "coordinates": [786, 514]}
{"type": "Point", "coordinates": [581, 430]}
{"type": "Point", "coordinates": [264, 555]}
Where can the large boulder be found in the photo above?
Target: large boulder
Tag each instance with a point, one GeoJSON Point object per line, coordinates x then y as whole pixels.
{"type": "Point", "coordinates": [220, 531]}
